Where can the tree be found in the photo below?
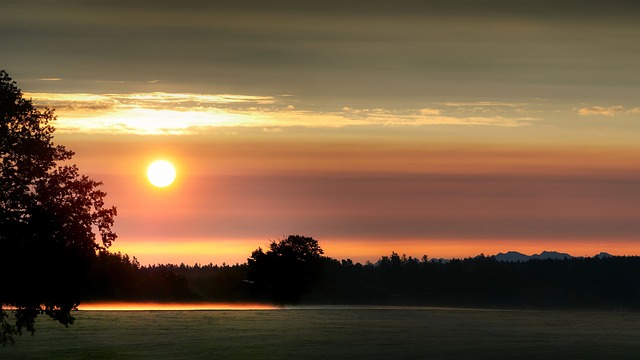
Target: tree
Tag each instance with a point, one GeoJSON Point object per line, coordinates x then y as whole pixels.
{"type": "Point", "coordinates": [50, 217]}
{"type": "Point", "coordinates": [287, 269]}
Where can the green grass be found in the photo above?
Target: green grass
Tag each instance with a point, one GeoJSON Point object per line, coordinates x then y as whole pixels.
{"type": "Point", "coordinates": [349, 333]}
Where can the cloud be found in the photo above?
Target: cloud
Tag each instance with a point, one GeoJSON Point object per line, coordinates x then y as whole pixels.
{"type": "Point", "coordinates": [430, 111]}
{"type": "Point", "coordinates": [601, 110]}
{"type": "Point", "coordinates": [185, 113]}
{"type": "Point", "coordinates": [162, 98]}
{"type": "Point", "coordinates": [153, 100]}
{"type": "Point", "coordinates": [73, 102]}
{"type": "Point", "coordinates": [429, 116]}
{"type": "Point", "coordinates": [484, 104]}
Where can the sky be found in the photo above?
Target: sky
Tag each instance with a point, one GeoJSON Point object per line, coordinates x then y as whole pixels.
{"type": "Point", "coordinates": [439, 128]}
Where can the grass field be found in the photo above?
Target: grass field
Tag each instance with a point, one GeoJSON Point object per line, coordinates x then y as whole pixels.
{"type": "Point", "coordinates": [335, 333]}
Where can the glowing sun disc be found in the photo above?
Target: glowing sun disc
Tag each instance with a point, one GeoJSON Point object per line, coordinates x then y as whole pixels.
{"type": "Point", "coordinates": [161, 173]}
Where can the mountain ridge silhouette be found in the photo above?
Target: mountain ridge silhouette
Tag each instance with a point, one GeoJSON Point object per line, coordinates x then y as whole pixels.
{"type": "Point", "coordinates": [515, 256]}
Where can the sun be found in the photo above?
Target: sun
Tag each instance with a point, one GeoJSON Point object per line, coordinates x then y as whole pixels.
{"type": "Point", "coordinates": [161, 173]}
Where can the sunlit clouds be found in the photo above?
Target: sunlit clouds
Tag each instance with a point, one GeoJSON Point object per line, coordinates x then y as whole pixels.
{"type": "Point", "coordinates": [170, 113]}
{"type": "Point", "coordinates": [160, 113]}
{"type": "Point", "coordinates": [147, 113]}
{"type": "Point", "coordinates": [430, 111]}
{"type": "Point", "coordinates": [607, 111]}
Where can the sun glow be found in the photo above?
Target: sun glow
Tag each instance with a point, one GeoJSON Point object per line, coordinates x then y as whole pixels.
{"type": "Point", "coordinates": [148, 306]}
{"type": "Point", "coordinates": [159, 113]}
{"type": "Point", "coordinates": [161, 173]}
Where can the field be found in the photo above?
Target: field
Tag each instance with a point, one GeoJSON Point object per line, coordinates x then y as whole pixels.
{"type": "Point", "coordinates": [335, 333]}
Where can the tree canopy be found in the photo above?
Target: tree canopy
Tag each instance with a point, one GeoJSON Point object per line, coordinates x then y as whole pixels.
{"type": "Point", "coordinates": [287, 270]}
{"type": "Point", "coordinates": [50, 217]}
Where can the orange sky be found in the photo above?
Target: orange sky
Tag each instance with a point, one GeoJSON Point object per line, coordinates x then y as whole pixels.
{"type": "Point", "coordinates": [364, 198]}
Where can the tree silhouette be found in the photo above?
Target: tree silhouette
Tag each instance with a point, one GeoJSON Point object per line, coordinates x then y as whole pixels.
{"type": "Point", "coordinates": [287, 270]}
{"type": "Point", "coordinates": [50, 216]}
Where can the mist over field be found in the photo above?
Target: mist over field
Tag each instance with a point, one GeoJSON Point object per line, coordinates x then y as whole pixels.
{"type": "Point", "coordinates": [336, 333]}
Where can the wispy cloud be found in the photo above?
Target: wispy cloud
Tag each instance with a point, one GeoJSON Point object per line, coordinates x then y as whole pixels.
{"type": "Point", "coordinates": [178, 113]}
{"type": "Point", "coordinates": [485, 104]}
{"type": "Point", "coordinates": [430, 111]}
{"type": "Point", "coordinates": [601, 110]}
{"type": "Point", "coordinates": [430, 116]}
{"type": "Point", "coordinates": [150, 100]}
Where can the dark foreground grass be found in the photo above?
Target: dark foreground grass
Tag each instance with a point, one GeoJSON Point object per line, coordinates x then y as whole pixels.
{"type": "Point", "coordinates": [348, 333]}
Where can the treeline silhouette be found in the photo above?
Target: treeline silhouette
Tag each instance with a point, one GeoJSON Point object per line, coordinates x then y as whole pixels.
{"type": "Point", "coordinates": [482, 281]}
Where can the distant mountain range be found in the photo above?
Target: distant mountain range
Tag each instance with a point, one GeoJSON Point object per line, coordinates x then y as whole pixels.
{"type": "Point", "coordinates": [514, 256]}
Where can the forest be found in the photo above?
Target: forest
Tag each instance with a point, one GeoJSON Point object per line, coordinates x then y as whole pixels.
{"type": "Point", "coordinates": [481, 281]}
